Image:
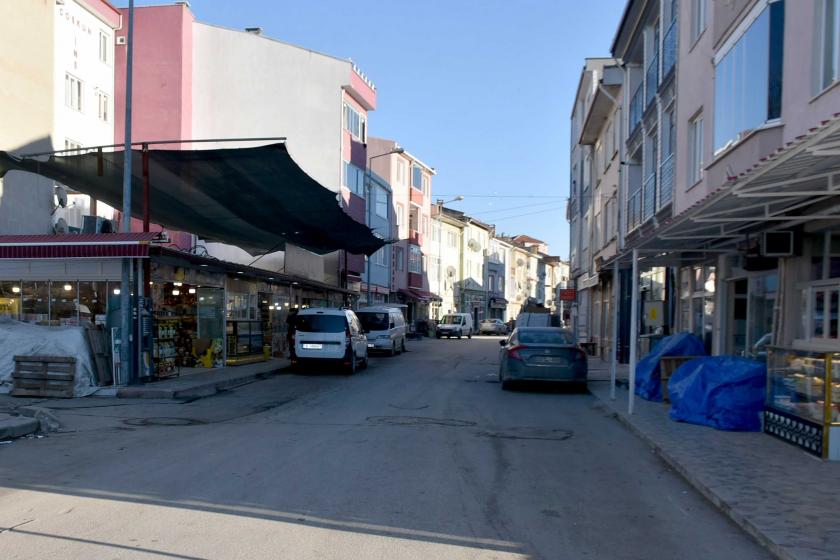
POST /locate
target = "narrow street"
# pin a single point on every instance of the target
(420, 456)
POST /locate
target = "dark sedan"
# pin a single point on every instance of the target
(542, 354)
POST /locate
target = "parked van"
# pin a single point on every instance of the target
(384, 327)
(330, 334)
(455, 324)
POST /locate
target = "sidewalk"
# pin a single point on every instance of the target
(780, 495)
(198, 383)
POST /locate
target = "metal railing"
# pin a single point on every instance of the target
(634, 207)
(636, 109)
(666, 181)
(651, 80)
(669, 49)
(649, 197)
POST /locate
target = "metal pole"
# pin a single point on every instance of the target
(367, 261)
(614, 364)
(146, 189)
(634, 329)
(125, 286)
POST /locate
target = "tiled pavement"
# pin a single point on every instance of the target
(785, 498)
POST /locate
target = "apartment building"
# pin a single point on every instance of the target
(498, 261)
(596, 137)
(57, 94)
(445, 281)
(411, 181)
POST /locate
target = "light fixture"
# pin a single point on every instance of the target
(191, 290)
(201, 298)
(265, 301)
(177, 284)
(67, 287)
(271, 277)
(150, 283)
(286, 304)
(271, 307)
(16, 289)
(295, 283)
(116, 291)
(176, 292)
(202, 264)
(239, 272)
(296, 306)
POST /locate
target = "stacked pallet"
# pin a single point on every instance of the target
(44, 376)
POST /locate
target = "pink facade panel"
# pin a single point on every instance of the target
(362, 91)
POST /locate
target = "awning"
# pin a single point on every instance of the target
(77, 246)
(420, 295)
(498, 302)
(255, 198)
(797, 184)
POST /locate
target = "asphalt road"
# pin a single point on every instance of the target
(421, 456)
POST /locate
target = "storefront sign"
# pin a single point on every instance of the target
(568, 294)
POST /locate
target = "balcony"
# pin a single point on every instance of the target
(634, 207)
(649, 197)
(636, 109)
(651, 80)
(669, 49)
(415, 237)
(666, 181)
(417, 196)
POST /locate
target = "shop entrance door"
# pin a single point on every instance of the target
(737, 343)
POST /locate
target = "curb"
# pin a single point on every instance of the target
(721, 504)
(17, 426)
(197, 391)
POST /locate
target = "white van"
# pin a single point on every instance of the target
(455, 324)
(384, 327)
(330, 334)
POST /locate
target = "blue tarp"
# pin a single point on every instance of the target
(724, 392)
(648, 384)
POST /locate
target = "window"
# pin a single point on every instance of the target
(400, 258)
(436, 231)
(381, 203)
(415, 259)
(695, 149)
(425, 184)
(401, 171)
(103, 47)
(828, 44)
(399, 217)
(451, 239)
(354, 123)
(378, 257)
(748, 79)
(425, 225)
(416, 177)
(354, 178)
(698, 18)
(72, 92)
(102, 103)
(71, 145)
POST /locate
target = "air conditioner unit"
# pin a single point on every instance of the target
(121, 40)
(91, 224)
(777, 244)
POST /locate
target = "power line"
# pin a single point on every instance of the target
(504, 196)
(527, 214)
(514, 208)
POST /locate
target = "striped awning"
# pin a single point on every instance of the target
(77, 246)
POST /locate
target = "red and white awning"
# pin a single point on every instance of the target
(76, 246)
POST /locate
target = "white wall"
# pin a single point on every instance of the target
(246, 85)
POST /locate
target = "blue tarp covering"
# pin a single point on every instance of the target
(648, 384)
(724, 392)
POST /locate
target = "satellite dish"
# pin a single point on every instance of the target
(61, 226)
(61, 196)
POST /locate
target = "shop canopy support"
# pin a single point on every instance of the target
(616, 297)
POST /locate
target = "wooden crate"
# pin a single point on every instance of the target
(44, 376)
(667, 366)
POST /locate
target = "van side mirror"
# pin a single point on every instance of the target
(502, 342)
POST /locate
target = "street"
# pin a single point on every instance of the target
(420, 456)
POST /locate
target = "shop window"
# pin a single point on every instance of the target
(10, 300)
(35, 302)
(64, 305)
(93, 302)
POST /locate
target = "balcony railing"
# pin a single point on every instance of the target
(669, 48)
(636, 109)
(634, 208)
(666, 181)
(649, 197)
(651, 80)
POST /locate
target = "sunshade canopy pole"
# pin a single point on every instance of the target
(613, 363)
(125, 287)
(634, 329)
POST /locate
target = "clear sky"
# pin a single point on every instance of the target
(481, 90)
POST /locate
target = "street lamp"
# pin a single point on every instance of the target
(395, 150)
(440, 204)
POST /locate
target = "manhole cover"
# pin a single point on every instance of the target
(548, 434)
(419, 421)
(162, 421)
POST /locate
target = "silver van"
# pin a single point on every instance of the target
(329, 334)
(455, 324)
(384, 327)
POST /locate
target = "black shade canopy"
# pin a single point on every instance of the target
(255, 198)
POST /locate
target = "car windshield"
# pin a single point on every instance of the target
(320, 323)
(488, 321)
(545, 337)
(451, 320)
(373, 321)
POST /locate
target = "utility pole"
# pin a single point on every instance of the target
(126, 370)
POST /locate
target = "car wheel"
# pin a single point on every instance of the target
(351, 369)
(506, 386)
(459, 335)
(365, 362)
(469, 333)
(393, 351)
(402, 345)
(437, 336)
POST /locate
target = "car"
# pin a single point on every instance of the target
(455, 324)
(542, 354)
(384, 328)
(492, 326)
(329, 335)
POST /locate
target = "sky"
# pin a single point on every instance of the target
(481, 90)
